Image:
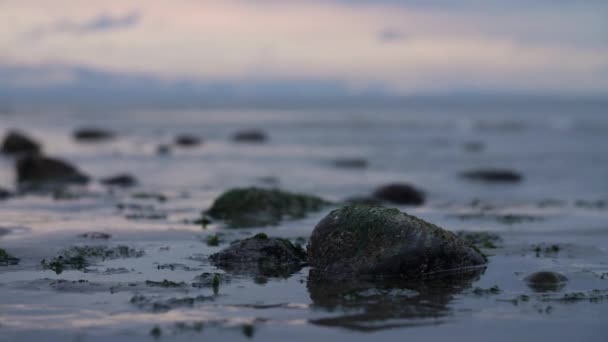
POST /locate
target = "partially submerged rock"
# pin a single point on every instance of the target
(185, 140)
(7, 259)
(4, 194)
(494, 176)
(376, 241)
(398, 193)
(350, 163)
(93, 135)
(17, 143)
(38, 170)
(250, 136)
(253, 207)
(261, 255)
(546, 281)
(124, 180)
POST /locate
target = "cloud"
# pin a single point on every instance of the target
(407, 46)
(101, 22)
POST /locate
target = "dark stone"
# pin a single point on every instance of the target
(5, 194)
(17, 143)
(261, 255)
(376, 241)
(494, 176)
(251, 136)
(546, 281)
(122, 180)
(93, 135)
(350, 163)
(400, 194)
(163, 150)
(187, 141)
(39, 170)
(254, 207)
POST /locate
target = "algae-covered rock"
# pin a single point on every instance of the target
(400, 194)
(39, 170)
(546, 281)
(17, 143)
(376, 241)
(253, 207)
(261, 255)
(494, 176)
(7, 259)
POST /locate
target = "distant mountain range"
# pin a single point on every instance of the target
(60, 85)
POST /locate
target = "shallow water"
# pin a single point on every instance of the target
(559, 149)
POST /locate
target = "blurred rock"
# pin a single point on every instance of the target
(37, 170)
(93, 135)
(17, 143)
(399, 193)
(187, 140)
(121, 180)
(254, 207)
(251, 136)
(494, 176)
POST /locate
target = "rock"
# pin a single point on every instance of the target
(261, 255)
(93, 135)
(38, 170)
(17, 143)
(187, 140)
(494, 176)
(122, 180)
(546, 281)
(163, 150)
(4, 194)
(350, 163)
(254, 207)
(363, 240)
(251, 136)
(7, 259)
(400, 194)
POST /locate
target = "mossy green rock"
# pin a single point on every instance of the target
(261, 255)
(254, 207)
(7, 259)
(377, 241)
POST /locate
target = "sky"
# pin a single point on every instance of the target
(310, 46)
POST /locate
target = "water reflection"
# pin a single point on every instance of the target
(372, 305)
